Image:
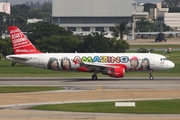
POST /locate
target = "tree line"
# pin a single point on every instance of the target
(51, 38)
(46, 6)
(21, 12)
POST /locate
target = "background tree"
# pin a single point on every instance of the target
(96, 42)
(145, 25)
(44, 29)
(165, 27)
(5, 47)
(3, 24)
(174, 9)
(57, 44)
(28, 12)
(121, 46)
(47, 7)
(171, 3)
(120, 30)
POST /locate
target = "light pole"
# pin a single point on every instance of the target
(133, 26)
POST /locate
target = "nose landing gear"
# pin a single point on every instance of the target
(150, 75)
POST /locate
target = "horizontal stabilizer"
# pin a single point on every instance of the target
(15, 58)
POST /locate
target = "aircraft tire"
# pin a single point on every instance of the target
(151, 78)
(94, 77)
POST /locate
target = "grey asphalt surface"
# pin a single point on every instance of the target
(77, 89)
(103, 82)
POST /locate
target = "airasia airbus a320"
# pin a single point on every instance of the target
(111, 64)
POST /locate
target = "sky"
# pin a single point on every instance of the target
(23, 1)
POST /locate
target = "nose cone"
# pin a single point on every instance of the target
(170, 65)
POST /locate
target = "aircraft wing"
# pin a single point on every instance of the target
(96, 65)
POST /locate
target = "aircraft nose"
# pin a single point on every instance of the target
(171, 65)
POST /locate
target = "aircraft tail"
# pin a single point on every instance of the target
(20, 42)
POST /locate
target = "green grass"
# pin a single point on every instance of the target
(142, 107)
(156, 46)
(6, 70)
(9, 89)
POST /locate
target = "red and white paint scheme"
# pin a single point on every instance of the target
(111, 64)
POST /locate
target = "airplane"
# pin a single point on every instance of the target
(111, 64)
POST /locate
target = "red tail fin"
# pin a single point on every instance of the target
(20, 42)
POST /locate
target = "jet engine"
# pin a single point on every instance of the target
(116, 72)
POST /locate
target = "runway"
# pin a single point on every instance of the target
(86, 83)
(86, 90)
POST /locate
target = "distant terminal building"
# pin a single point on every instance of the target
(5, 7)
(172, 20)
(86, 16)
(162, 14)
(34, 20)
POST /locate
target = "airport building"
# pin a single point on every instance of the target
(5, 7)
(162, 14)
(86, 16)
(34, 20)
(172, 20)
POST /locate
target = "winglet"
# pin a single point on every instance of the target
(20, 42)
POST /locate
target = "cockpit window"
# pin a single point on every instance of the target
(163, 59)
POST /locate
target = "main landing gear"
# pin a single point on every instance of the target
(94, 76)
(150, 75)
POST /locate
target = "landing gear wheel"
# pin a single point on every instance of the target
(94, 77)
(151, 77)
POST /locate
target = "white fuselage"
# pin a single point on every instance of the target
(70, 61)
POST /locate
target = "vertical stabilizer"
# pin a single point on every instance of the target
(20, 42)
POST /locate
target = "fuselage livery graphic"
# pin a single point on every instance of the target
(111, 64)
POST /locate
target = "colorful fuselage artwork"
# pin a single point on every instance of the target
(66, 63)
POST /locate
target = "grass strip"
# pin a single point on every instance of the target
(142, 107)
(18, 89)
(149, 46)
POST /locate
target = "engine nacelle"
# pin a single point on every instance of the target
(116, 72)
